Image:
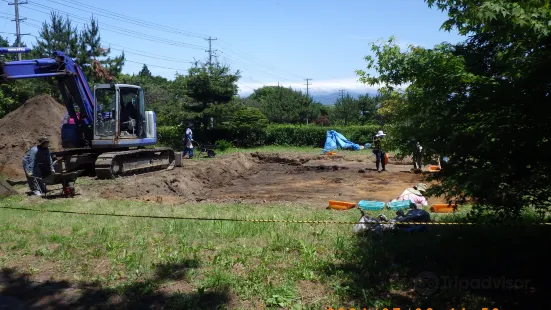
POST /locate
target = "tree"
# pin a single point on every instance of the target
(94, 59)
(346, 109)
(145, 72)
(479, 102)
(207, 85)
(57, 35)
(368, 106)
(285, 105)
(248, 124)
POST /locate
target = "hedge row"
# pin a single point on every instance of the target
(287, 135)
(292, 135)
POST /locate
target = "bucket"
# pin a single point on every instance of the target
(341, 205)
(371, 205)
(397, 205)
(443, 208)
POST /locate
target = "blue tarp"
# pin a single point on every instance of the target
(335, 140)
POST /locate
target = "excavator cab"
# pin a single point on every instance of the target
(119, 111)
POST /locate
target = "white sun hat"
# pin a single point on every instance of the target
(380, 134)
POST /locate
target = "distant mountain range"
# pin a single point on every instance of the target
(329, 98)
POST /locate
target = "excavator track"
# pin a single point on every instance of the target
(114, 164)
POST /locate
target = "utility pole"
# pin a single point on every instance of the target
(18, 34)
(210, 51)
(307, 84)
(307, 95)
(342, 93)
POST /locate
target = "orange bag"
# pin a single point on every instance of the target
(386, 159)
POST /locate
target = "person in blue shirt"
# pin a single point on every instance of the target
(37, 165)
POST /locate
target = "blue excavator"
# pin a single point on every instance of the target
(107, 130)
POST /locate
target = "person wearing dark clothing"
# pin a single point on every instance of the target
(418, 157)
(188, 139)
(37, 165)
(378, 150)
(128, 113)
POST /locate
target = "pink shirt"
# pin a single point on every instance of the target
(407, 195)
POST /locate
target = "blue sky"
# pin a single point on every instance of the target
(269, 41)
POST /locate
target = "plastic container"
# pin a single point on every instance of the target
(341, 205)
(371, 205)
(443, 208)
(397, 205)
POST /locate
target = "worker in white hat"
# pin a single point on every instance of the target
(378, 150)
(416, 195)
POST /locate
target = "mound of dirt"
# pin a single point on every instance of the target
(19, 131)
(188, 184)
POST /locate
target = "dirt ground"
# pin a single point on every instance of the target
(261, 178)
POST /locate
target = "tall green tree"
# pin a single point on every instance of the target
(285, 105)
(368, 106)
(207, 85)
(58, 34)
(95, 61)
(145, 72)
(479, 102)
(346, 110)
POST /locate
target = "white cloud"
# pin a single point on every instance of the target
(317, 86)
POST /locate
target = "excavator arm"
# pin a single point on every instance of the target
(73, 86)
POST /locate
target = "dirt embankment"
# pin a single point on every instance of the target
(19, 131)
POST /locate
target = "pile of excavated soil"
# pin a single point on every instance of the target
(193, 182)
(19, 131)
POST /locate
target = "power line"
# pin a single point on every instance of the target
(116, 29)
(128, 19)
(136, 52)
(124, 18)
(123, 31)
(239, 55)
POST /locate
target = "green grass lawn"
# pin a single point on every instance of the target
(134, 262)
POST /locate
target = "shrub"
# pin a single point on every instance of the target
(297, 135)
(248, 135)
(223, 145)
(323, 121)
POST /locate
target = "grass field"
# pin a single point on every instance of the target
(205, 264)
(69, 261)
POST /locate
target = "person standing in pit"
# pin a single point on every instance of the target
(188, 139)
(418, 157)
(378, 150)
